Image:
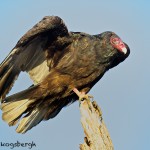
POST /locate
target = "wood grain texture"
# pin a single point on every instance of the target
(97, 135)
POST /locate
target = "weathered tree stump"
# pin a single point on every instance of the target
(97, 136)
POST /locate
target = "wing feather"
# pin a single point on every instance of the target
(30, 53)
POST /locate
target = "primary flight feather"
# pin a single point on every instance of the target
(60, 63)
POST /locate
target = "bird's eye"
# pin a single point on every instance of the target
(115, 41)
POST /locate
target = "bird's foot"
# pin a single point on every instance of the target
(82, 95)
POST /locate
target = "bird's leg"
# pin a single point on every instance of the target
(82, 95)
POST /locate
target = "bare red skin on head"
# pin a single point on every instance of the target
(117, 43)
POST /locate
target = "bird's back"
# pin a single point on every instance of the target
(80, 58)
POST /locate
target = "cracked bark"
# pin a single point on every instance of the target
(96, 134)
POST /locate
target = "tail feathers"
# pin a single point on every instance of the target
(8, 75)
(17, 105)
(29, 112)
(37, 114)
(25, 94)
(33, 118)
(54, 109)
(12, 111)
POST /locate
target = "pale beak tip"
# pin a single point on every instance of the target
(124, 50)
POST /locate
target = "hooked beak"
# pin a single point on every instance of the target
(124, 50)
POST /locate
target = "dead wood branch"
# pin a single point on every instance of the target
(97, 136)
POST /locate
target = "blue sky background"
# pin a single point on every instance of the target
(123, 92)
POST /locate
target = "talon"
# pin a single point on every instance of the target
(82, 95)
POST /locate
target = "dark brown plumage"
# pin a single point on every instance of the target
(58, 62)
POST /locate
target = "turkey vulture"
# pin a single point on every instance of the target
(61, 64)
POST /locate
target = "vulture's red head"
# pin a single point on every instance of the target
(118, 44)
(114, 49)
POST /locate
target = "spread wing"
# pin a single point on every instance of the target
(34, 53)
